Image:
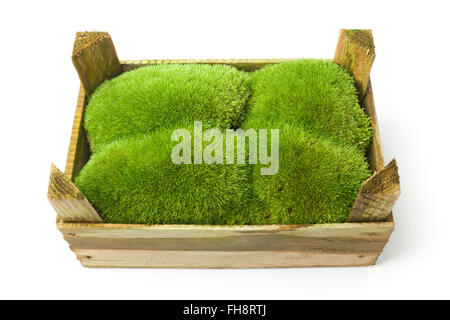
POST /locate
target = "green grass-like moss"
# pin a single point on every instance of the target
(317, 181)
(130, 178)
(316, 94)
(148, 98)
(133, 180)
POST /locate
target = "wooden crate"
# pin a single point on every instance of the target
(357, 242)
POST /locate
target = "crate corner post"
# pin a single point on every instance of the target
(68, 201)
(95, 59)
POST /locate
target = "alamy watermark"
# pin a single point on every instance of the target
(234, 145)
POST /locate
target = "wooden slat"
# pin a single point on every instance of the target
(68, 201)
(377, 195)
(95, 59)
(375, 154)
(79, 150)
(93, 258)
(125, 231)
(241, 64)
(355, 51)
(112, 245)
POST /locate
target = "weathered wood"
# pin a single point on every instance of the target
(68, 201)
(79, 150)
(355, 51)
(95, 59)
(240, 64)
(377, 195)
(92, 258)
(375, 154)
(190, 246)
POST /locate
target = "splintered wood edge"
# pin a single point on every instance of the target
(377, 195)
(355, 51)
(68, 201)
(95, 59)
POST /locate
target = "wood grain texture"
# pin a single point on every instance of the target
(377, 195)
(95, 59)
(79, 151)
(375, 154)
(92, 258)
(68, 201)
(191, 246)
(240, 64)
(355, 51)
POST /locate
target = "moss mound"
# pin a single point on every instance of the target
(148, 98)
(317, 181)
(133, 180)
(316, 94)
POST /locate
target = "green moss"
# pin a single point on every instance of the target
(143, 100)
(317, 181)
(133, 180)
(318, 95)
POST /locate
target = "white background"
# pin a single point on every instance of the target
(39, 85)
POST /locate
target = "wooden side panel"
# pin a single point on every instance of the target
(92, 258)
(379, 193)
(375, 154)
(185, 246)
(241, 64)
(68, 201)
(79, 150)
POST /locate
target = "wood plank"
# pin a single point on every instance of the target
(94, 258)
(377, 195)
(68, 201)
(259, 242)
(79, 151)
(355, 51)
(241, 64)
(95, 59)
(375, 154)
(137, 231)
(112, 245)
